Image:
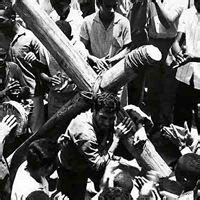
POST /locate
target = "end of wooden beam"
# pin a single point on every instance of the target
(153, 53)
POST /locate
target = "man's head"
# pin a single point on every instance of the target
(114, 193)
(105, 108)
(107, 8)
(197, 5)
(7, 24)
(62, 7)
(124, 180)
(38, 194)
(7, 19)
(41, 157)
(187, 170)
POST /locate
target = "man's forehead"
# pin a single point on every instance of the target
(106, 112)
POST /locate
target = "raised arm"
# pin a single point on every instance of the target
(165, 15)
(6, 125)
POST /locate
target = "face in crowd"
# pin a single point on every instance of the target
(7, 21)
(7, 24)
(105, 109)
(62, 7)
(105, 120)
(107, 8)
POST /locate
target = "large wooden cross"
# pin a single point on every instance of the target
(84, 76)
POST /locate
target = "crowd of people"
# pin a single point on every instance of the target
(140, 142)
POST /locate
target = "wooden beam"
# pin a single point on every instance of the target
(82, 74)
(129, 67)
(56, 42)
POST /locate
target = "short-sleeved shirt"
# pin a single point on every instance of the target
(84, 150)
(104, 41)
(190, 25)
(25, 42)
(24, 184)
(74, 18)
(174, 8)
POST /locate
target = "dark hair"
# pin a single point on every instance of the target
(8, 12)
(100, 2)
(111, 193)
(42, 152)
(65, 27)
(54, 2)
(109, 101)
(37, 195)
(188, 168)
(123, 180)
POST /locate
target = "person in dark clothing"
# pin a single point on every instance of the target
(89, 144)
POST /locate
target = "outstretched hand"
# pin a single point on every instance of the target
(63, 141)
(100, 63)
(12, 86)
(55, 80)
(6, 125)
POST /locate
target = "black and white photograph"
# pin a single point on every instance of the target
(99, 99)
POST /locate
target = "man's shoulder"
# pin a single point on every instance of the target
(91, 18)
(12, 66)
(188, 13)
(121, 19)
(23, 184)
(81, 121)
(25, 32)
(192, 10)
(81, 127)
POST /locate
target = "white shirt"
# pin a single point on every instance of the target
(104, 41)
(74, 18)
(24, 184)
(174, 8)
(190, 25)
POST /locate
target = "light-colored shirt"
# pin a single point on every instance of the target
(190, 25)
(104, 41)
(24, 42)
(123, 5)
(74, 18)
(24, 184)
(174, 8)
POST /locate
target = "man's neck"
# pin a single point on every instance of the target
(105, 20)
